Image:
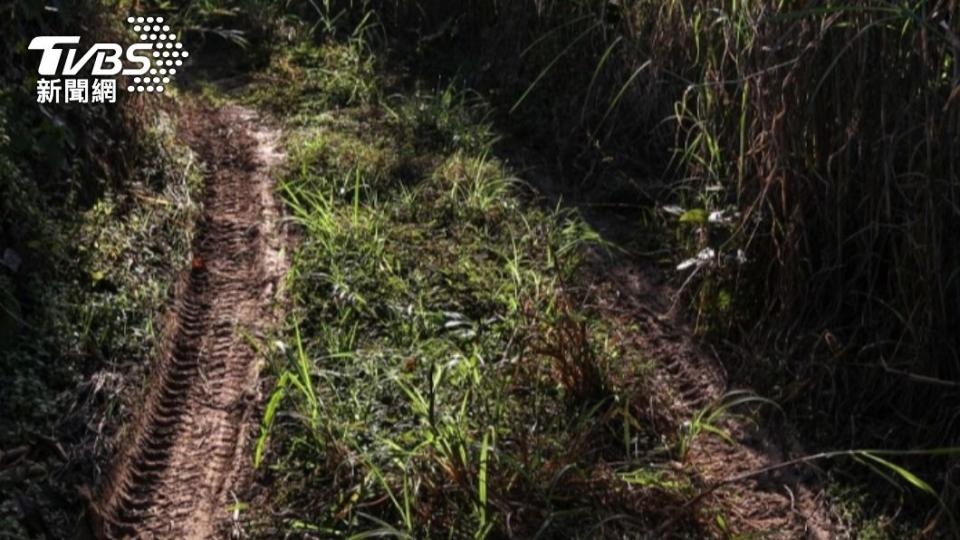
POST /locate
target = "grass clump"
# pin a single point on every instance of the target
(435, 378)
(312, 79)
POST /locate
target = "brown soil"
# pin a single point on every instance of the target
(185, 457)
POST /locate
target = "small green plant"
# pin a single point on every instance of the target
(708, 419)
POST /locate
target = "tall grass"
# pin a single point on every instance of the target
(831, 128)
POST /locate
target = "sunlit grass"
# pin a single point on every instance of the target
(434, 379)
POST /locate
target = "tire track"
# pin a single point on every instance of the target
(685, 379)
(184, 458)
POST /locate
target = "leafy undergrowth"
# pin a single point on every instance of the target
(435, 378)
(79, 312)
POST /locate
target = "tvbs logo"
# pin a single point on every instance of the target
(146, 66)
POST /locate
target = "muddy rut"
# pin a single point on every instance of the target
(183, 461)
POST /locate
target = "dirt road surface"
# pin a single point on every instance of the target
(185, 456)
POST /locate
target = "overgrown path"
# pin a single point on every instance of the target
(184, 455)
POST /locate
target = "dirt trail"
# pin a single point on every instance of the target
(786, 503)
(185, 454)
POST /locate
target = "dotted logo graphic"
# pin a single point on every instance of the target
(168, 54)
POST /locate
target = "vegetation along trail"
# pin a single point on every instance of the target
(184, 456)
(538, 269)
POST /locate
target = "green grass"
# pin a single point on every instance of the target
(435, 377)
(309, 80)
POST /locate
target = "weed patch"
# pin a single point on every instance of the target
(434, 378)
